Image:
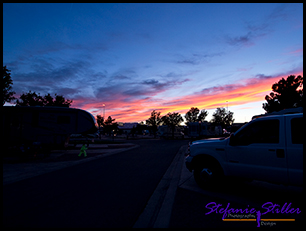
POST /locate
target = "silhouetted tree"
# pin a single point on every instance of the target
(287, 93)
(154, 121)
(100, 120)
(172, 120)
(110, 125)
(193, 115)
(30, 99)
(60, 101)
(223, 118)
(202, 115)
(109, 121)
(33, 99)
(7, 83)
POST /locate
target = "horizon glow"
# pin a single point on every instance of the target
(136, 58)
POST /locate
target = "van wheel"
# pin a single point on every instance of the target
(208, 175)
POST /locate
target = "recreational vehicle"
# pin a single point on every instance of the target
(204, 129)
(44, 125)
(165, 131)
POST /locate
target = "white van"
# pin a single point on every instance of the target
(268, 148)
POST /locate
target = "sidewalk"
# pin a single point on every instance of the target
(15, 170)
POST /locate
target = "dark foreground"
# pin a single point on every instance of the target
(107, 192)
(113, 191)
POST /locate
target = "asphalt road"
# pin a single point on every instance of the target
(109, 192)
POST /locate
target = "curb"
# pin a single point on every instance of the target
(157, 213)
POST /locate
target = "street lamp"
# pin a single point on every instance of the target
(103, 111)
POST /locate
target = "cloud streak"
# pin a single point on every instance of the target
(128, 97)
(135, 58)
(136, 109)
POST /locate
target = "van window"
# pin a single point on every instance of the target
(296, 126)
(265, 131)
(63, 119)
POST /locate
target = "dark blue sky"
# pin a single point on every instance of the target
(135, 58)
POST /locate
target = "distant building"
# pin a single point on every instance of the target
(164, 131)
(126, 128)
(203, 129)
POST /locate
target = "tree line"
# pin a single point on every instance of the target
(173, 119)
(286, 93)
(30, 98)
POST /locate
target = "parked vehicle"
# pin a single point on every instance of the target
(268, 148)
(204, 129)
(165, 132)
(45, 125)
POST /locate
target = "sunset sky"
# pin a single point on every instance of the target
(136, 58)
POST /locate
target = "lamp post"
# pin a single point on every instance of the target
(104, 112)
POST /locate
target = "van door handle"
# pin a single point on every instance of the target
(280, 153)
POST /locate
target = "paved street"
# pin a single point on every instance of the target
(106, 192)
(17, 168)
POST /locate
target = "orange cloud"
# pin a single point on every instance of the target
(243, 92)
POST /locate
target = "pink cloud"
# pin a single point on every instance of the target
(136, 110)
